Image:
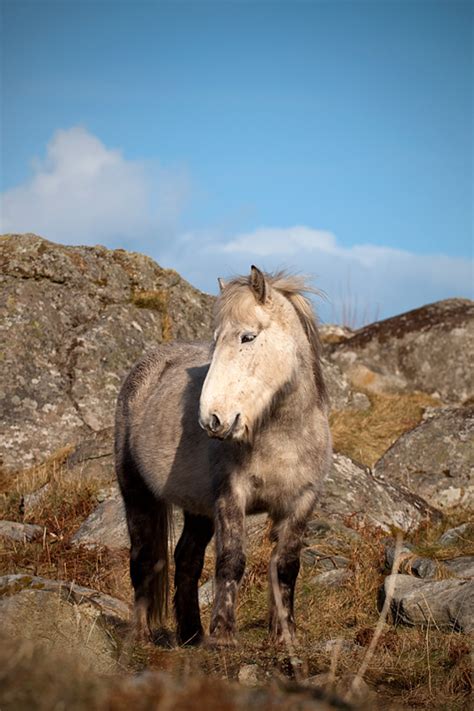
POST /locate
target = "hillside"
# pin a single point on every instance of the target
(72, 321)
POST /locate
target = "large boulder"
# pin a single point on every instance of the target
(62, 616)
(428, 349)
(351, 490)
(441, 604)
(435, 459)
(72, 322)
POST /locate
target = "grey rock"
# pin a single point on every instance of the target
(455, 535)
(333, 333)
(248, 674)
(330, 646)
(428, 349)
(62, 615)
(324, 561)
(332, 578)
(35, 498)
(106, 526)
(350, 489)
(93, 458)
(110, 608)
(72, 321)
(20, 531)
(206, 593)
(446, 604)
(333, 533)
(423, 567)
(435, 459)
(341, 394)
(462, 567)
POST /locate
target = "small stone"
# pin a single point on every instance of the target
(359, 401)
(248, 675)
(330, 646)
(332, 578)
(324, 561)
(24, 532)
(206, 593)
(456, 535)
(105, 526)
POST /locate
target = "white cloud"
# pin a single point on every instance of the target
(85, 192)
(271, 241)
(368, 281)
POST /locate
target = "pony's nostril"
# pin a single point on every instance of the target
(215, 423)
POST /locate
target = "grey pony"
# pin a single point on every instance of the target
(222, 433)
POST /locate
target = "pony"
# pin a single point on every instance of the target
(223, 433)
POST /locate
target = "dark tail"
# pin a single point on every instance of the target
(158, 590)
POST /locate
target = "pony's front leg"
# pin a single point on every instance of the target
(284, 569)
(230, 566)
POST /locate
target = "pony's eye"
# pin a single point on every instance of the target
(247, 337)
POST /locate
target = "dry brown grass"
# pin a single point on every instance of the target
(413, 667)
(66, 503)
(365, 435)
(158, 300)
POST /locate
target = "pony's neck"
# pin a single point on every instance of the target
(299, 398)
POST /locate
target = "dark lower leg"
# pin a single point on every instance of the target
(189, 559)
(230, 566)
(143, 570)
(284, 570)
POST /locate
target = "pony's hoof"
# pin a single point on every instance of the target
(282, 638)
(220, 641)
(142, 635)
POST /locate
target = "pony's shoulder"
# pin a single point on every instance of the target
(163, 357)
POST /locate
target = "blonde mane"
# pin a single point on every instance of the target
(237, 297)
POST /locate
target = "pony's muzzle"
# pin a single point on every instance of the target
(215, 427)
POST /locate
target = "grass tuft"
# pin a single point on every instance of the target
(365, 435)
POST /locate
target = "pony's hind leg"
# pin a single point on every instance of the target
(189, 559)
(148, 520)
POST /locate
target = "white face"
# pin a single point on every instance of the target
(252, 361)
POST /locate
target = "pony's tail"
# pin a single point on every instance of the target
(158, 597)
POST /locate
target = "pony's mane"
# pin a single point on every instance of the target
(237, 297)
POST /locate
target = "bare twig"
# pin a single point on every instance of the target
(356, 682)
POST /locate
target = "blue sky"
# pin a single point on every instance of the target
(334, 137)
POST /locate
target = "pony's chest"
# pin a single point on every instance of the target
(271, 479)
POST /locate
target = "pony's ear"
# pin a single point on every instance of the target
(258, 284)
(221, 283)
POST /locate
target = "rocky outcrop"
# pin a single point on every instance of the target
(341, 394)
(428, 349)
(72, 322)
(62, 616)
(352, 490)
(111, 609)
(435, 459)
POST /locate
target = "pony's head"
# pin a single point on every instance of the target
(265, 339)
